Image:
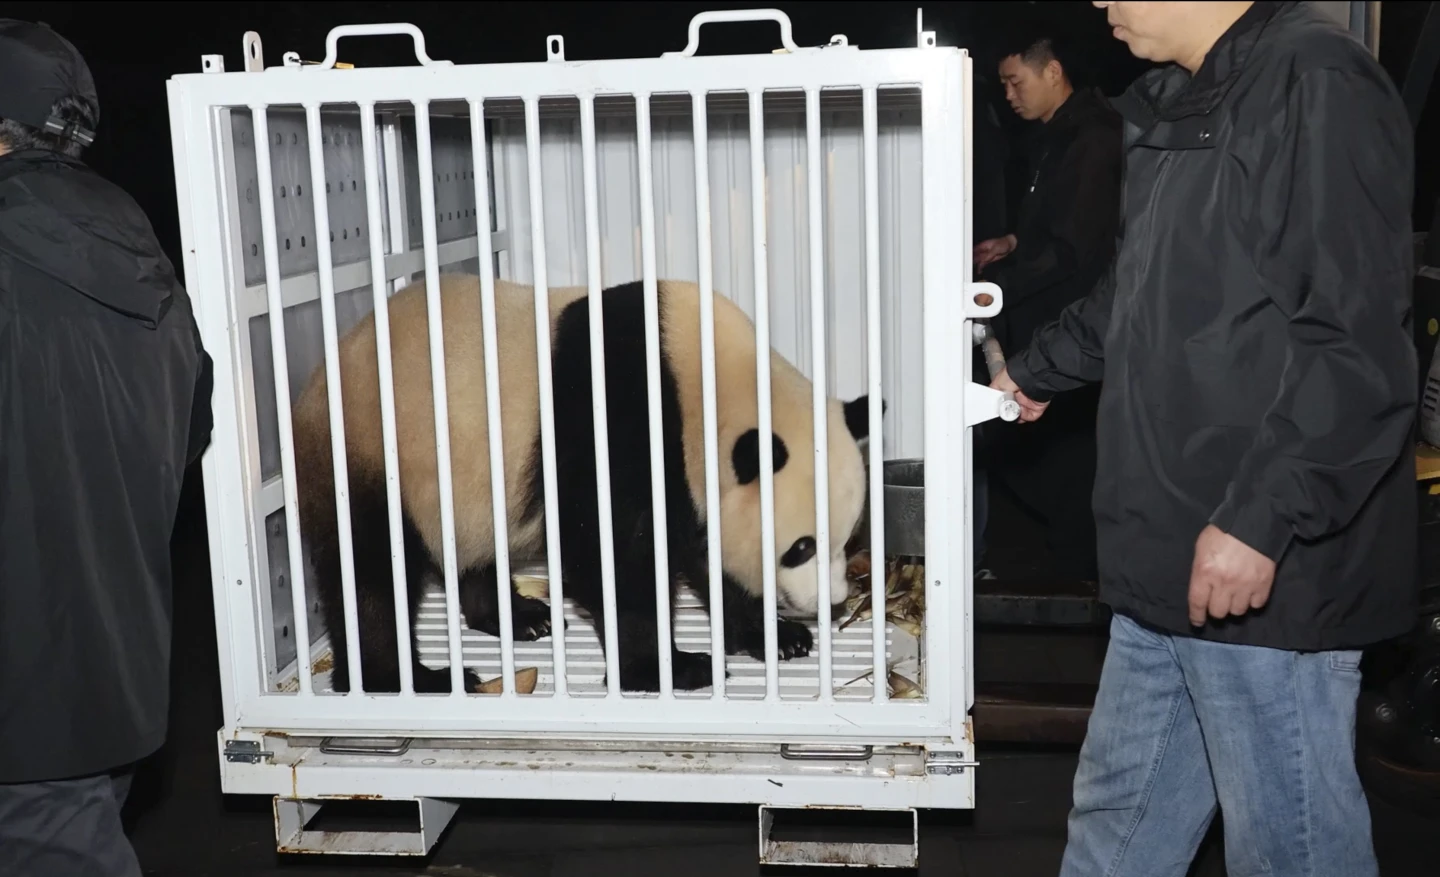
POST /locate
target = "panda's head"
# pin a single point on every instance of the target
(796, 549)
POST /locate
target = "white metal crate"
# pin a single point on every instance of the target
(888, 231)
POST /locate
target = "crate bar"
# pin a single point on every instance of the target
(707, 389)
(231, 271)
(270, 239)
(762, 383)
(957, 76)
(945, 257)
(379, 286)
(819, 371)
(871, 128)
(490, 333)
(827, 69)
(395, 196)
(664, 638)
(330, 338)
(597, 385)
(210, 252)
(440, 392)
(547, 393)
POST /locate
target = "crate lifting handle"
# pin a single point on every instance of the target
(373, 30)
(733, 15)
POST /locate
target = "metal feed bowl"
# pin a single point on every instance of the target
(904, 483)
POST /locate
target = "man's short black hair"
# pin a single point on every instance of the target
(1035, 49)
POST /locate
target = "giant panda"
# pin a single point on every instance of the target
(629, 448)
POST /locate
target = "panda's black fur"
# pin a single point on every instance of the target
(635, 592)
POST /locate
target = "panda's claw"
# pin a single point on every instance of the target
(792, 640)
(530, 618)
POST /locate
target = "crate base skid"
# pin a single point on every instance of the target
(292, 834)
(836, 847)
(877, 777)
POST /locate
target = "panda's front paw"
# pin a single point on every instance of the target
(691, 671)
(793, 640)
(530, 617)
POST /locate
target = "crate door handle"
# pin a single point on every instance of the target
(372, 30)
(733, 15)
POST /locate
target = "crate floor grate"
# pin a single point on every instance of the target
(799, 678)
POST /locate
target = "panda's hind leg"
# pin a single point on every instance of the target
(375, 598)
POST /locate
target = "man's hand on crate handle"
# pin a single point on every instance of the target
(1030, 410)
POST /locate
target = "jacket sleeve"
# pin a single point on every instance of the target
(1334, 224)
(1080, 212)
(1069, 352)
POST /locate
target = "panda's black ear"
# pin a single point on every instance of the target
(857, 416)
(745, 456)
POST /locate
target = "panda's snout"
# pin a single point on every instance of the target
(798, 591)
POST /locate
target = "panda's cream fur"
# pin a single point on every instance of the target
(627, 404)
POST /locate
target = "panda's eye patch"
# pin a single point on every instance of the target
(800, 553)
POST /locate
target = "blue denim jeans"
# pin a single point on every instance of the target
(1181, 726)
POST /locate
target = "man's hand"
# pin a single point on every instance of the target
(1227, 577)
(994, 250)
(1030, 410)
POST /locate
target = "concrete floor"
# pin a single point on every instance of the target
(183, 827)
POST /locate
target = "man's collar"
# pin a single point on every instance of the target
(1172, 93)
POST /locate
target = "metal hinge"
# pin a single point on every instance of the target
(247, 751)
(946, 763)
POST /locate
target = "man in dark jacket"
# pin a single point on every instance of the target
(1254, 500)
(1063, 240)
(104, 401)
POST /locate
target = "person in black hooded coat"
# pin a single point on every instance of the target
(104, 403)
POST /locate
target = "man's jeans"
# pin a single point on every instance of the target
(66, 827)
(1179, 723)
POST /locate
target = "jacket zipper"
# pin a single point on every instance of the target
(1035, 178)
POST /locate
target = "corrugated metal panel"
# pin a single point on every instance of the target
(787, 218)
